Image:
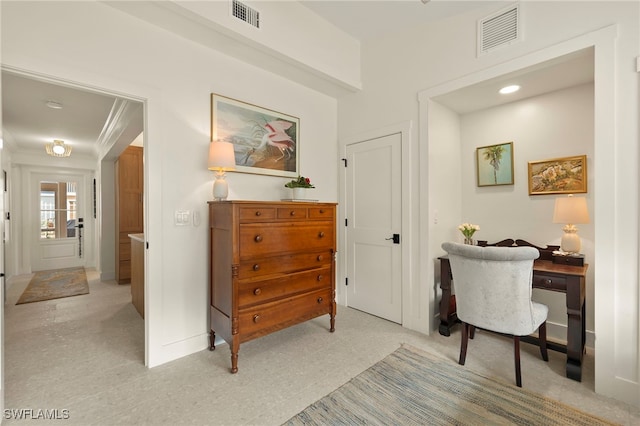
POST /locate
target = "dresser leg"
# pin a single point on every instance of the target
(333, 323)
(234, 362)
(235, 347)
(212, 341)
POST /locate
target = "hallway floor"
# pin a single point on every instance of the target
(85, 355)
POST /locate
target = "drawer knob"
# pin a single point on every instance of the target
(320, 258)
(292, 213)
(257, 291)
(320, 299)
(258, 213)
(256, 318)
(548, 281)
(256, 267)
(319, 278)
(258, 238)
(321, 234)
(321, 211)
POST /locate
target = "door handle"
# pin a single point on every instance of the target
(395, 238)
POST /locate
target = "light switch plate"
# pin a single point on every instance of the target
(182, 218)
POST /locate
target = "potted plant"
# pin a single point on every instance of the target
(299, 187)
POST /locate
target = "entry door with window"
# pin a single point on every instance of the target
(373, 212)
(58, 224)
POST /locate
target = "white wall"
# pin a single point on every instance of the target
(99, 46)
(441, 55)
(557, 124)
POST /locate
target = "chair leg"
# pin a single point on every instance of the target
(463, 343)
(516, 352)
(542, 337)
(472, 333)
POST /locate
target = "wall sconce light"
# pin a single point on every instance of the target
(570, 210)
(221, 159)
(58, 148)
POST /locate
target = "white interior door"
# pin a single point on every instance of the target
(373, 213)
(57, 220)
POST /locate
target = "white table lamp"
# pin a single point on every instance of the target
(570, 210)
(221, 159)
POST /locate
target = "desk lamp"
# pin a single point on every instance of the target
(221, 160)
(570, 210)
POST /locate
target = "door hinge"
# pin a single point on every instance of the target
(346, 281)
(345, 162)
(346, 222)
(147, 244)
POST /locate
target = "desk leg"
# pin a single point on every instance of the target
(575, 328)
(447, 317)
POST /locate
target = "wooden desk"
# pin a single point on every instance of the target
(547, 276)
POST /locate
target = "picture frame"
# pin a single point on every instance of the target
(265, 142)
(565, 175)
(494, 164)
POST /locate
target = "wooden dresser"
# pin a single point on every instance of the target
(272, 265)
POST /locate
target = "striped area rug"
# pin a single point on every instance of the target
(413, 387)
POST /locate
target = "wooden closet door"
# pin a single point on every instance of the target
(129, 218)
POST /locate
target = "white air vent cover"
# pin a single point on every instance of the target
(498, 30)
(245, 13)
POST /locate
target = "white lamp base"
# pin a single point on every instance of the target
(570, 242)
(220, 187)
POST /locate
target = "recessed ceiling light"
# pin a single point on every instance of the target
(53, 104)
(509, 89)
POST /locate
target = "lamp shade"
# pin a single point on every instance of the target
(221, 156)
(571, 210)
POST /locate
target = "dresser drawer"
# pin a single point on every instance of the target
(321, 213)
(292, 212)
(549, 282)
(257, 213)
(273, 238)
(259, 267)
(262, 319)
(253, 292)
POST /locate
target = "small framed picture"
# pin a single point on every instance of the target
(494, 164)
(566, 175)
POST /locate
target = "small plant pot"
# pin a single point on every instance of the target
(299, 193)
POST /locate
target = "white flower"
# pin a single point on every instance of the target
(468, 229)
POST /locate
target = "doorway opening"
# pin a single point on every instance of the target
(65, 204)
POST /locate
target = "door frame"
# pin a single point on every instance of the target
(150, 97)
(410, 314)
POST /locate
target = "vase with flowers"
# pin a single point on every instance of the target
(468, 229)
(299, 187)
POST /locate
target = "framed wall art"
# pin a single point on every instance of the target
(265, 142)
(494, 164)
(567, 175)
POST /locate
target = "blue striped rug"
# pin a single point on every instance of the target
(413, 387)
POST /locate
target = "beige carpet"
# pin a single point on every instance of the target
(55, 284)
(413, 387)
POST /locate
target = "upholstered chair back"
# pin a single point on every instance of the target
(493, 287)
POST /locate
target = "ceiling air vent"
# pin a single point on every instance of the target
(498, 30)
(245, 13)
